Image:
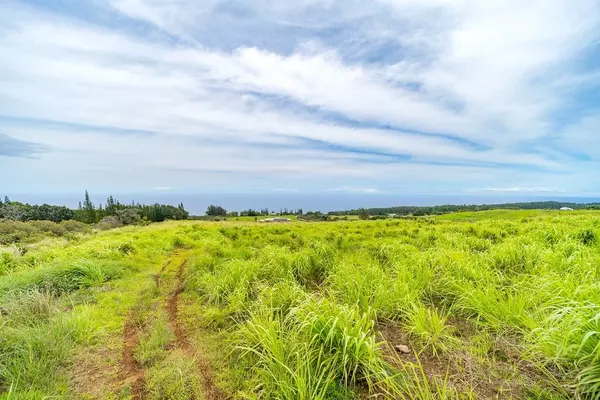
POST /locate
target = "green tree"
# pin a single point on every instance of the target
(89, 211)
(111, 206)
(214, 211)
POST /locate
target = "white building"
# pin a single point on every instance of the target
(275, 220)
(566, 209)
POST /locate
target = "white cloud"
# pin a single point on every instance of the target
(489, 72)
(354, 189)
(142, 97)
(521, 190)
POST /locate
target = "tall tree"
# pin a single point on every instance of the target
(89, 211)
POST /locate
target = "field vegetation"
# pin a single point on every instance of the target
(487, 305)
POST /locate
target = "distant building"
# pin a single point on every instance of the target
(392, 215)
(269, 220)
(566, 209)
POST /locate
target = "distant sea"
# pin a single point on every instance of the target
(324, 202)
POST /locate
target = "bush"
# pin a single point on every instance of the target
(128, 216)
(587, 237)
(75, 226)
(127, 248)
(110, 222)
(30, 231)
(17, 231)
(8, 262)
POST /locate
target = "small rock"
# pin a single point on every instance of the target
(402, 348)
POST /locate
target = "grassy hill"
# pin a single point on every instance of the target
(485, 305)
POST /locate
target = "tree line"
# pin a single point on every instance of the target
(90, 213)
(449, 208)
(218, 211)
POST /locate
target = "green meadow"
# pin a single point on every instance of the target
(479, 305)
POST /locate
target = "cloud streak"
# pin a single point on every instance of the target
(11, 147)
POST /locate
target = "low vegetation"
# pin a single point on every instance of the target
(490, 306)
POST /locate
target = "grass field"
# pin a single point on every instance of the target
(489, 305)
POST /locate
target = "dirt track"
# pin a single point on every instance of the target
(209, 389)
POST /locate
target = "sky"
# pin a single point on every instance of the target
(333, 98)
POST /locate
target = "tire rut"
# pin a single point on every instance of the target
(209, 388)
(133, 373)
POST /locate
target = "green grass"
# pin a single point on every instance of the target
(494, 304)
(152, 345)
(430, 329)
(174, 378)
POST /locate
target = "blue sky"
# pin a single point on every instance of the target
(385, 97)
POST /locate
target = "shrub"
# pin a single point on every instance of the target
(127, 248)
(587, 237)
(128, 216)
(49, 227)
(8, 262)
(75, 226)
(30, 231)
(17, 231)
(110, 222)
(179, 242)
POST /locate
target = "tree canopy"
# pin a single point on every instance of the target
(89, 213)
(215, 211)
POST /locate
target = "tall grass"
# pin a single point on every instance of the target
(430, 329)
(36, 341)
(64, 278)
(318, 350)
(302, 306)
